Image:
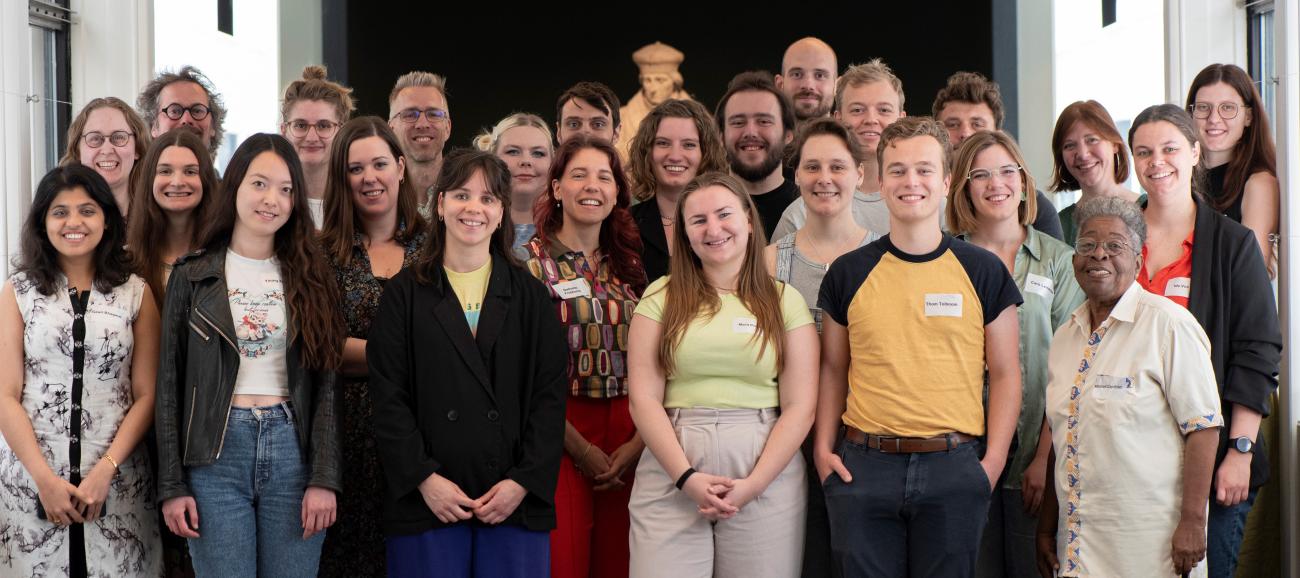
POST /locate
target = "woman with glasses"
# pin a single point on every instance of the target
(311, 112)
(110, 137)
(990, 209)
(1088, 155)
(1211, 265)
(1133, 416)
(1240, 160)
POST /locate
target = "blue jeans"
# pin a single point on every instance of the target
(468, 550)
(250, 501)
(1227, 526)
(917, 515)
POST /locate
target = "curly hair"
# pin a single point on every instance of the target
(640, 165)
(150, 107)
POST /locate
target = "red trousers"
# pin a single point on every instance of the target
(590, 539)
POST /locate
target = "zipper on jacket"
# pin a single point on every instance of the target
(214, 326)
(231, 403)
(194, 400)
(200, 331)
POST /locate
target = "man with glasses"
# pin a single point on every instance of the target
(183, 98)
(418, 114)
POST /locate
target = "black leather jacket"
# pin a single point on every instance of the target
(196, 382)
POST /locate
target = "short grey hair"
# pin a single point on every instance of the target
(1117, 207)
(417, 78)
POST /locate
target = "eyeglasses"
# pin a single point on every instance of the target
(1004, 173)
(118, 138)
(175, 111)
(1227, 110)
(1086, 247)
(412, 115)
(324, 128)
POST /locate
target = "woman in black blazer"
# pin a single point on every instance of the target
(1221, 279)
(468, 365)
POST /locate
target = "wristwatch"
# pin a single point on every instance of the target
(1242, 444)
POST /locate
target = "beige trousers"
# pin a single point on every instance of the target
(669, 538)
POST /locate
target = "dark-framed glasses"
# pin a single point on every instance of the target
(175, 111)
(1227, 110)
(1005, 173)
(1086, 247)
(96, 139)
(412, 115)
(324, 128)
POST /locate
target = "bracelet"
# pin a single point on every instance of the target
(585, 452)
(111, 461)
(681, 481)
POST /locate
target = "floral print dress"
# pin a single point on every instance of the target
(77, 369)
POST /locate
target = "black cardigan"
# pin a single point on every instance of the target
(1232, 298)
(474, 409)
(654, 244)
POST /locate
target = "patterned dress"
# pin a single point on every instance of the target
(77, 357)
(354, 545)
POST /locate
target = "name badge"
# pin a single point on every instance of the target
(943, 304)
(574, 288)
(1040, 285)
(1179, 287)
(1112, 386)
(746, 325)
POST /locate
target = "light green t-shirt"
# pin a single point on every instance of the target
(470, 289)
(717, 362)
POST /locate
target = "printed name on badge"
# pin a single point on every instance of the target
(574, 288)
(943, 304)
(1040, 285)
(1112, 386)
(1179, 287)
(746, 325)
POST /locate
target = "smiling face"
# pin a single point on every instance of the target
(264, 199)
(111, 161)
(527, 153)
(422, 140)
(996, 197)
(74, 223)
(754, 135)
(827, 175)
(1088, 156)
(717, 226)
(186, 94)
(586, 189)
(470, 213)
(675, 156)
(374, 177)
(808, 78)
(1220, 134)
(963, 119)
(1164, 159)
(913, 182)
(867, 109)
(1104, 277)
(177, 187)
(313, 148)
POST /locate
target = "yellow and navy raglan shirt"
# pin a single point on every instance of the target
(916, 334)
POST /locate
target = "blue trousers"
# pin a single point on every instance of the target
(1226, 528)
(471, 551)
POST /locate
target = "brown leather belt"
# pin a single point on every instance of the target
(897, 445)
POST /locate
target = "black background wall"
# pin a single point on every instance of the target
(504, 58)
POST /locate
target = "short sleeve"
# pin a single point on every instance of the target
(1190, 387)
(652, 301)
(831, 297)
(794, 310)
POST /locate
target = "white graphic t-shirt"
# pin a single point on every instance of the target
(256, 292)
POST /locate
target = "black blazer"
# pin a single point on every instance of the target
(654, 245)
(476, 410)
(1233, 300)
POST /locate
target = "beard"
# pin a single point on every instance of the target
(803, 113)
(759, 172)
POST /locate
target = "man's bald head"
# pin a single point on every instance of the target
(808, 73)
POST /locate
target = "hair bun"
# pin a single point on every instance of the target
(314, 72)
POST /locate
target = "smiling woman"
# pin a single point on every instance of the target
(110, 137)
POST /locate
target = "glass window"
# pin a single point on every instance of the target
(1263, 66)
(51, 74)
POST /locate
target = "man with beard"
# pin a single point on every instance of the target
(418, 115)
(808, 73)
(757, 123)
(971, 103)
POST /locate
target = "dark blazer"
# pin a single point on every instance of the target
(474, 409)
(197, 367)
(654, 245)
(1232, 298)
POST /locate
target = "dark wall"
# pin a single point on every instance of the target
(501, 58)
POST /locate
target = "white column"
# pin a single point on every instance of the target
(15, 125)
(300, 38)
(1036, 73)
(112, 49)
(1286, 26)
(1199, 33)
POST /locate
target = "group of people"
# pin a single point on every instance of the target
(800, 334)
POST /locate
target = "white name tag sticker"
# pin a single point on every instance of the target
(1040, 285)
(943, 304)
(574, 288)
(1111, 386)
(1179, 287)
(746, 325)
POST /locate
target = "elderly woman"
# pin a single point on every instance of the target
(1133, 414)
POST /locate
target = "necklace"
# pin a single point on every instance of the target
(667, 222)
(816, 252)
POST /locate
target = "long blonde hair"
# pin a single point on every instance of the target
(689, 295)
